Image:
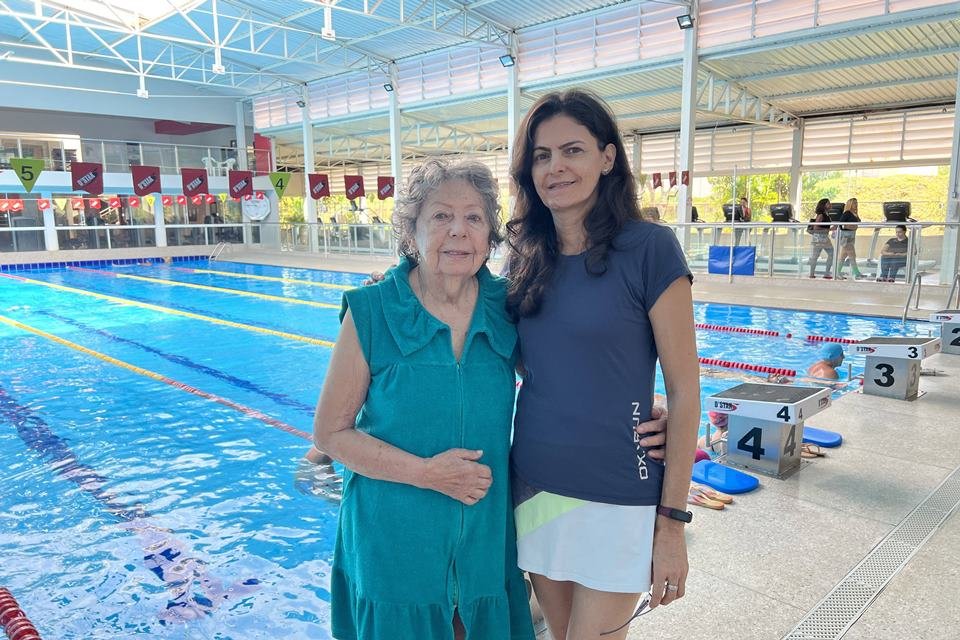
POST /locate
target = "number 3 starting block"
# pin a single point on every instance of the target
(893, 365)
(765, 424)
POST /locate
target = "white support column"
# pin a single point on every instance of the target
(796, 178)
(635, 161)
(688, 114)
(159, 224)
(50, 239)
(309, 166)
(950, 262)
(396, 147)
(241, 134)
(513, 115)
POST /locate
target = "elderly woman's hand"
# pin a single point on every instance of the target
(456, 473)
(375, 277)
(655, 431)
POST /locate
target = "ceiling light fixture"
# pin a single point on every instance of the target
(301, 103)
(508, 60)
(685, 21)
(388, 87)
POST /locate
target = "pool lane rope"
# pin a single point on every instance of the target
(759, 368)
(250, 276)
(249, 411)
(756, 332)
(174, 312)
(13, 620)
(204, 287)
(832, 339)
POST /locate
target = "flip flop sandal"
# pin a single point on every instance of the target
(712, 494)
(810, 450)
(700, 501)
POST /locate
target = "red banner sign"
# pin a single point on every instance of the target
(197, 199)
(76, 204)
(181, 199)
(167, 201)
(4, 206)
(87, 176)
(685, 178)
(384, 187)
(261, 195)
(354, 186)
(194, 181)
(16, 205)
(241, 183)
(146, 180)
(114, 202)
(43, 204)
(211, 198)
(94, 203)
(133, 201)
(657, 182)
(673, 178)
(319, 185)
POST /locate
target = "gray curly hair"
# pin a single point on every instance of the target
(424, 180)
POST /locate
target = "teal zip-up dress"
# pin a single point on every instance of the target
(406, 558)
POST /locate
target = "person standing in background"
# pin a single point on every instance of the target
(848, 238)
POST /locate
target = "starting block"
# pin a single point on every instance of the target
(949, 320)
(893, 365)
(765, 424)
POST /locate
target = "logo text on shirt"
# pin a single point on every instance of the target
(641, 452)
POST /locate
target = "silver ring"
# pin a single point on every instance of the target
(672, 587)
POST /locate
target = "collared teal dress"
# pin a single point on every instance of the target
(406, 558)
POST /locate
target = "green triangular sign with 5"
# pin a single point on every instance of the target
(279, 180)
(28, 170)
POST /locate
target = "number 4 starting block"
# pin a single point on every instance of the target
(765, 424)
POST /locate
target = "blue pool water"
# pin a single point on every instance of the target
(132, 507)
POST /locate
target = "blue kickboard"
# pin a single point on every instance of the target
(822, 437)
(723, 478)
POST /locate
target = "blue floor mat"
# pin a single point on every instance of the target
(723, 478)
(822, 437)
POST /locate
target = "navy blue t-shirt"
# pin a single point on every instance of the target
(590, 362)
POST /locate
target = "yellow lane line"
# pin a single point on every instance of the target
(176, 312)
(311, 283)
(236, 292)
(160, 378)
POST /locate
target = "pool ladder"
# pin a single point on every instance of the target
(217, 250)
(954, 288)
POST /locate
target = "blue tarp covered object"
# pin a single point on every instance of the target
(744, 259)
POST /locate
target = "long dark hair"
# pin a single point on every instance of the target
(531, 235)
(821, 209)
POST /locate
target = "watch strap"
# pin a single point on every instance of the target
(675, 514)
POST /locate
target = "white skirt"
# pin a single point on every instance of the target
(606, 547)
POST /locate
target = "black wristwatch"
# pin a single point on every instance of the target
(674, 514)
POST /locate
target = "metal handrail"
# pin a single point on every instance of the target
(218, 250)
(955, 287)
(916, 285)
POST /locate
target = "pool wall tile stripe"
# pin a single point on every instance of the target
(35, 266)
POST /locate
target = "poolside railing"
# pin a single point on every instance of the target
(781, 250)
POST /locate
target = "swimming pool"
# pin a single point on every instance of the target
(158, 486)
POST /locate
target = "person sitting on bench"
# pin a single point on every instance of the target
(893, 256)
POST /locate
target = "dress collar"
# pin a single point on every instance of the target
(420, 327)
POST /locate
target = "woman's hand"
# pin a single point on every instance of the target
(456, 473)
(669, 562)
(656, 427)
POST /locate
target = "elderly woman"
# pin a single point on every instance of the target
(417, 405)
